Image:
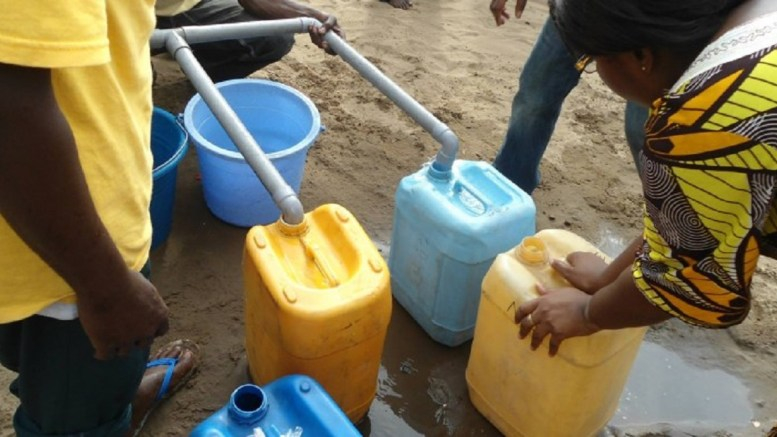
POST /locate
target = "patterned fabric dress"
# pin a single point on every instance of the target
(709, 175)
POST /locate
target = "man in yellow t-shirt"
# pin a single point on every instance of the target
(76, 315)
(235, 59)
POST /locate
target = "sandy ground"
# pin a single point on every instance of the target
(454, 61)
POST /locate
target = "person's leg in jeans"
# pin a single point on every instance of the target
(547, 78)
(230, 59)
(635, 118)
(63, 389)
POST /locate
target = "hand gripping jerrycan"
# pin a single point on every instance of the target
(292, 406)
(318, 303)
(448, 227)
(527, 393)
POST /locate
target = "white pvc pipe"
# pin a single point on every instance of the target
(439, 131)
(283, 195)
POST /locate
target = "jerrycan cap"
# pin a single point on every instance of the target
(532, 250)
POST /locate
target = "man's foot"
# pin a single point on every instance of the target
(400, 4)
(179, 359)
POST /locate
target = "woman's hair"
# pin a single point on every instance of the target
(605, 27)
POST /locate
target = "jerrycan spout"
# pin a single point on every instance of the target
(532, 251)
(436, 173)
(293, 229)
(248, 404)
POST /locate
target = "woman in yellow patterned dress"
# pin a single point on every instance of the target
(708, 70)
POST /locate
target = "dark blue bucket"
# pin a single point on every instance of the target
(168, 145)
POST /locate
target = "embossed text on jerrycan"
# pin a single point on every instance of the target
(292, 406)
(527, 393)
(317, 302)
(448, 227)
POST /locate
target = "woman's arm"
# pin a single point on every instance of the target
(589, 273)
(621, 305)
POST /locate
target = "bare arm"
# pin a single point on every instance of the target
(587, 272)
(278, 9)
(45, 199)
(621, 305)
(43, 193)
(623, 261)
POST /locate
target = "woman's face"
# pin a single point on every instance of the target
(628, 76)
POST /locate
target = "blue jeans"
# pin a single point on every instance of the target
(547, 78)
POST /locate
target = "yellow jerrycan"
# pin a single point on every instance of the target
(527, 393)
(318, 303)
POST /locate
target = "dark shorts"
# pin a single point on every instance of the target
(63, 389)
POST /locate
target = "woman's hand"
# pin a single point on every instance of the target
(584, 270)
(560, 313)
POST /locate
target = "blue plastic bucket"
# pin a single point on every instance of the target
(168, 145)
(283, 121)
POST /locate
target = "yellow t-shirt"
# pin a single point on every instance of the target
(168, 8)
(101, 73)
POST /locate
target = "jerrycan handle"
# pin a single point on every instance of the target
(496, 178)
(315, 253)
(460, 186)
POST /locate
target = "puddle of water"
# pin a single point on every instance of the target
(665, 392)
(664, 389)
(391, 423)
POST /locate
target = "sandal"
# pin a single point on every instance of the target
(167, 389)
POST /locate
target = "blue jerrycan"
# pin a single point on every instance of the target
(448, 228)
(292, 406)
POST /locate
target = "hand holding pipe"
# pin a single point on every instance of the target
(218, 32)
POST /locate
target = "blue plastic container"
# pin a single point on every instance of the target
(448, 228)
(294, 406)
(168, 145)
(282, 120)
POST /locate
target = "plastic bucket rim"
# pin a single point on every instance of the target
(306, 142)
(173, 161)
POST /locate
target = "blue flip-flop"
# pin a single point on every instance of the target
(166, 390)
(170, 362)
